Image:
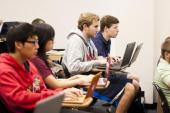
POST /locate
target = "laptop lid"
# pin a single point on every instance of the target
(91, 88)
(128, 54)
(103, 80)
(50, 104)
(93, 85)
(126, 58)
(107, 72)
(136, 53)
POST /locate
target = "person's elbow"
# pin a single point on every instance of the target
(168, 84)
(73, 69)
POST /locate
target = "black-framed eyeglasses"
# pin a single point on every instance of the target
(33, 42)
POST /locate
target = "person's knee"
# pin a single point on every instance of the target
(136, 84)
(133, 76)
(129, 89)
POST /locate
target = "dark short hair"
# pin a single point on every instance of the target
(19, 33)
(107, 21)
(45, 32)
(38, 21)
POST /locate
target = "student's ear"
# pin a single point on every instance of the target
(168, 55)
(85, 26)
(18, 45)
(106, 28)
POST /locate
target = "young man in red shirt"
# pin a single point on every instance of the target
(21, 85)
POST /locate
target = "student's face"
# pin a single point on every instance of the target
(92, 29)
(29, 48)
(49, 45)
(113, 31)
(167, 56)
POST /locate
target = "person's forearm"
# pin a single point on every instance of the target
(65, 83)
(73, 77)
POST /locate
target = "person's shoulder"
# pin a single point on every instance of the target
(38, 62)
(163, 67)
(75, 40)
(36, 59)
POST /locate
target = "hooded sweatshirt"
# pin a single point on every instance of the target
(80, 53)
(21, 86)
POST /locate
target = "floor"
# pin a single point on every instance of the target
(102, 109)
(150, 111)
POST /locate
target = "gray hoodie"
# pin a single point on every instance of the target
(80, 53)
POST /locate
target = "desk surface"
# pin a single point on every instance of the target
(53, 52)
(55, 55)
(2, 39)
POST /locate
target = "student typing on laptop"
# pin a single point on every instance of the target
(21, 86)
(81, 56)
(46, 35)
(108, 30)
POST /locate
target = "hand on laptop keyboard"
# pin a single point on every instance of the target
(85, 80)
(72, 93)
(115, 59)
(101, 61)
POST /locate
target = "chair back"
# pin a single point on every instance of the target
(66, 72)
(3, 109)
(164, 102)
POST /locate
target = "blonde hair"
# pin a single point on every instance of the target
(87, 18)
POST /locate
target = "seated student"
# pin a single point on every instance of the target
(21, 85)
(109, 29)
(81, 56)
(162, 77)
(168, 38)
(4, 28)
(56, 67)
(46, 34)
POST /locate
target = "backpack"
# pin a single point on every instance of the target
(137, 105)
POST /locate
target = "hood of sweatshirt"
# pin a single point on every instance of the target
(79, 35)
(7, 59)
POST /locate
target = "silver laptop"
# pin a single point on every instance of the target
(126, 58)
(50, 104)
(136, 53)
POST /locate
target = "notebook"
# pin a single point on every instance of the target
(89, 93)
(136, 53)
(50, 104)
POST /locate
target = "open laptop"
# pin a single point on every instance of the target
(50, 104)
(126, 58)
(125, 61)
(104, 80)
(136, 53)
(91, 88)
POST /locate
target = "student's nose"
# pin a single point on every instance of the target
(36, 45)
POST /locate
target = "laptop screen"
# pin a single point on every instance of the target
(136, 53)
(128, 53)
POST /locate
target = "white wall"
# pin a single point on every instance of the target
(136, 24)
(162, 27)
